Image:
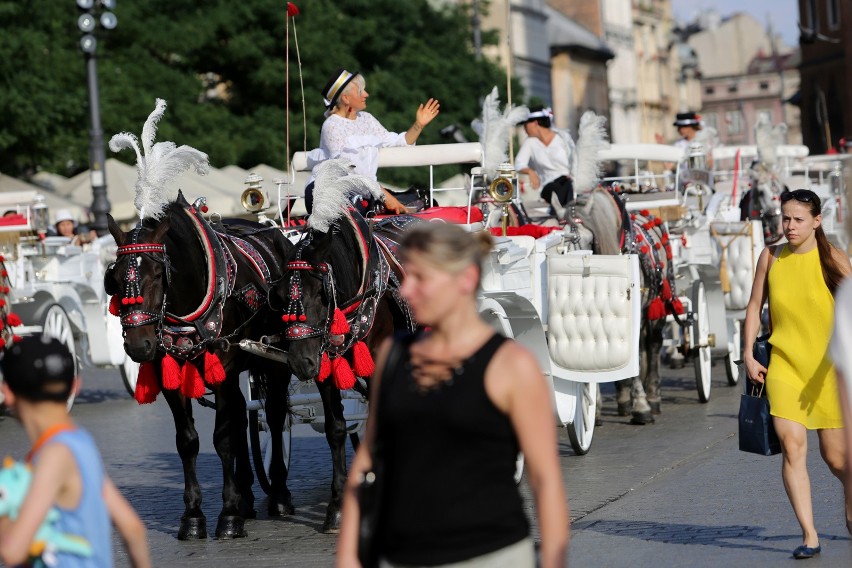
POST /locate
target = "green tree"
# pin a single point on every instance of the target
(179, 50)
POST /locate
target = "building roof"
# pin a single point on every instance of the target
(767, 63)
(565, 34)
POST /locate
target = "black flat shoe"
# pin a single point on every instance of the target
(804, 552)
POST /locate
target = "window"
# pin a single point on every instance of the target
(709, 90)
(764, 85)
(833, 11)
(733, 88)
(734, 120)
(811, 21)
(711, 119)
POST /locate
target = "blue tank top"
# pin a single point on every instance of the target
(90, 520)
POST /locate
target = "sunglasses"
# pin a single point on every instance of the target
(803, 195)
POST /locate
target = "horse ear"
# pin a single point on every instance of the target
(115, 230)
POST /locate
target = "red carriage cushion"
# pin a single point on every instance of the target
(534, 231)
(449, 214)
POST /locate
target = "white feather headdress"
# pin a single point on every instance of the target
(157, 164)
(334, 184)
(494, 129)
(767, 139)
(591, 139)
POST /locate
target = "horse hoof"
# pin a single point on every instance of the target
(247, 510)
(624, 409)
(332, 522)
(655, 407)
(280, 507)
(642, 418)
(192, 528)
(230, 526)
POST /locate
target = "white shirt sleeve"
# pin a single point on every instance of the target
(522, 159)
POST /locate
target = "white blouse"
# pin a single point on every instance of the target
(840, 347)
(358, 140)
(550, 161)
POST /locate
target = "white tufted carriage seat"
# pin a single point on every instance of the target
(737, 248)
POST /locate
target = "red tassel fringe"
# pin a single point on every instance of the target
(339, 325)
(325, 368)
(344, 379)
(171, 373)
(362, 360)
(656, 309)
(667, 290)
(191, 385)
(13, 320)
(147, 387)
(214, 372)
(678, 306)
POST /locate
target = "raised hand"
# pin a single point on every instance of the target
(426, 112)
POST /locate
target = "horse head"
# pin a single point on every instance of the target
(138, 281)
(598, 219)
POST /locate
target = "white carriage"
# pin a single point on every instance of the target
(578, 313)
(57, 287)
(655, 178)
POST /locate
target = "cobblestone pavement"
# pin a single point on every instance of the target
(674, 493)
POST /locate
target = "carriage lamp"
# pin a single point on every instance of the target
(502, 189)
(40, 215)
(696, 157)
(253, 198)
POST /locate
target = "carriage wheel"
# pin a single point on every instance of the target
(57, 325)
(259, 435)
(129, 374)
(582, 429)
(700, 333)
(735, 352)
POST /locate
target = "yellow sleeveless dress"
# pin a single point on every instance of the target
(801, 383)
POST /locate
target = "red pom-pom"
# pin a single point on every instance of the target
(139, 299)
(4, 273)
(639, 237)
(125, 301)
(16, 338)
(658, 221)
(2, 258)
(292, 10)
(191, 385)
(362, 360)
(645, 249)
(339, 325)
(147, 387)
(658, 246)
(633, 216)
(2, 343)
(303, 318)
(667, 290)
(114, 307)
(325, 367)
(131, 300)
(665, 239)
(204, 209)
(344, 379)
(171, 372)
(364, 203)
(2, 302)
(644, 212)
(214, 372)
(13, 320)
(668, 254)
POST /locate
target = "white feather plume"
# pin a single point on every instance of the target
(708, 137)
(767, 139)
(591, 139)
(494, 130)
(157, 164)
(334, 185)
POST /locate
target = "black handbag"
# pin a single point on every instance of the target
(371, 486)
(756, 429)
(762, 349)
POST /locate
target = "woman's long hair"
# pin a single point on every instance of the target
(831, 272)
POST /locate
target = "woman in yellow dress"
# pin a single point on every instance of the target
(803, 276)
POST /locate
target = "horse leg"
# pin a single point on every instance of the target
(243, 472)
(193, 524)
(335, 434)
(640, 411)
(280, 502)
(651, 382)
(622, 396)
(229, 436)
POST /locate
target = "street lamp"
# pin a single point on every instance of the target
(94, 15)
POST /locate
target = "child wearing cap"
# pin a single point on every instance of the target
(67, 471)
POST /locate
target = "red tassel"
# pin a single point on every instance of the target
(362, 360)
(344, 379)
(667, 290)
(16, 338)
(325, 368)
(678, 306)
(114, 306)
(171, 373)
(656, 309)
(147, 387)
(191, 385)
(339, 325)
(2, 343)
(214, 372)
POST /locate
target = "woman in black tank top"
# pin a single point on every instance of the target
(455, 409)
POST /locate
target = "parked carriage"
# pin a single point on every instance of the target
(57, 287)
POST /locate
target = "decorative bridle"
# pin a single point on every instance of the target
(131, 295)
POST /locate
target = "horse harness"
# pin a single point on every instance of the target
(188, 336)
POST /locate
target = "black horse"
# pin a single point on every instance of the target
(186, 291)
(341, 299)
(600, 221)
